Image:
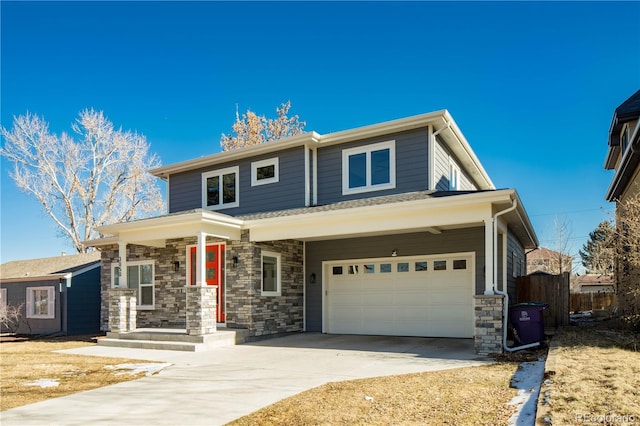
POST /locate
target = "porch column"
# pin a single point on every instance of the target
(122, 309)
(488, 256)
(201, 309)
(122, 253)
(201, 260)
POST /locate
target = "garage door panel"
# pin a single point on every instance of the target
(411, 299)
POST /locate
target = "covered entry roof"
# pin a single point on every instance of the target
(418, 211)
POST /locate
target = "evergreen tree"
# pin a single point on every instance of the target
(598, 252)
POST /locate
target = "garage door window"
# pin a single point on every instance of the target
(337, 270)
(440, 265)
(270, 274)
(460, 264)
(370, 268)
(403, 267)
(421, 266)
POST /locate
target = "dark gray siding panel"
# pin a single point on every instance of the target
(83, 303)
(411, 166)
(454, 241)
(17, 295)
(515, 252)
(185, 189)
(441, 169)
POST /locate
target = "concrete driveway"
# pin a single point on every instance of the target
(215, 387)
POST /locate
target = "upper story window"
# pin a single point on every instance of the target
(264, 172)
(369, 168)
(220, 189)
(454, 176)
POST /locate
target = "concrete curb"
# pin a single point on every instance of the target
(543, 412)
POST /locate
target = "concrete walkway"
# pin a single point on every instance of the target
(215, 387)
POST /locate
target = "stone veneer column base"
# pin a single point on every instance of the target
(122, 309)
(488, 329)
(201, 309)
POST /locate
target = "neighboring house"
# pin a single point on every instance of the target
(546, 260)
(389, 229)
(593, 283)
(57, 294)
(623, 156)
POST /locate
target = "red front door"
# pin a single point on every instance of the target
(214, 273)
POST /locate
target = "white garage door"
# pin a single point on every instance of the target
(429, 296)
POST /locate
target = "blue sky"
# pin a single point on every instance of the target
(532, 86)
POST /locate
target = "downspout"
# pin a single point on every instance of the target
(503, 293)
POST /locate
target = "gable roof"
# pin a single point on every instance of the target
(441, 122)
(627, 111)
(48, 267)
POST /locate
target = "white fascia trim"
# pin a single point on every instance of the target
(229, 156)
(153, 231)
(470, 208)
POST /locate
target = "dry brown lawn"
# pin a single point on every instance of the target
(464, 396)
(24, 361)
(595, 376)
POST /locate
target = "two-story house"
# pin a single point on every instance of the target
(389, 229)
(623, 156)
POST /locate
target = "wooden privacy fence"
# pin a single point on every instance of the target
(580, 302)
(550, 289)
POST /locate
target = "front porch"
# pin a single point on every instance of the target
(173, 339)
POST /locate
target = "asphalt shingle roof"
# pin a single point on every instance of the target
(47, 266)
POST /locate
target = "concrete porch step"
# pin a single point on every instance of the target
(173, 339)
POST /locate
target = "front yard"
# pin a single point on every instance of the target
(594, 378)
(31, 371)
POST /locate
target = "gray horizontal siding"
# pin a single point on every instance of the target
(441, 170)
(454, 241)
(185, 189)
(411, 166)
(514, 246)
(17, 295)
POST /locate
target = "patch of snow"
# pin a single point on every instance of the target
(527, 380)
(43, 383)
(133, 369)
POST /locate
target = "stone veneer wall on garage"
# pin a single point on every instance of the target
(246, 307)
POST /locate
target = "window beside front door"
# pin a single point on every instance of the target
(140, 276)
(369, 168)
(41, 302)
(220, 189)
(271, 274)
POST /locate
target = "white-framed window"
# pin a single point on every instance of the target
(454, 176)
(369, 168)
(271, 274)
(141, 277)
(265, 171)
(41, 302)
(220, 189)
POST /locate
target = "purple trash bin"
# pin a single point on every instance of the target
(527, 319)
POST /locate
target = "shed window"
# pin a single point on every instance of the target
(41, 302)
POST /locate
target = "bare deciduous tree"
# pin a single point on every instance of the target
(11, 317)
(97, 179)
(562, 235)
(253, 129)
(628, 259)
